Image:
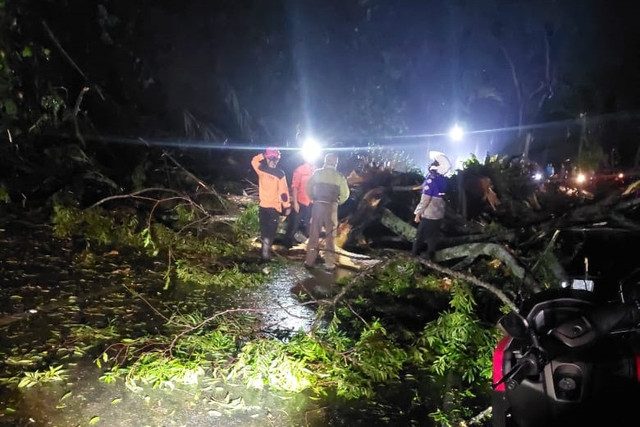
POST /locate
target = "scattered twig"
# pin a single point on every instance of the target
(478, 418)
(364, 322)
(331, 303)
(136, 294)
(199, 181)
(134, 195)
(76, 109)
(208, 320)
(471, 279)
(68, 57)
(549, 246)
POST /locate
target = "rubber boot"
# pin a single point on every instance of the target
(266, 249)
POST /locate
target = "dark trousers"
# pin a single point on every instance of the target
(268, 218)
(297, 221)
(428, 234)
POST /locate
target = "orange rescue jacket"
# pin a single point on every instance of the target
(299, 181)
(273, 190)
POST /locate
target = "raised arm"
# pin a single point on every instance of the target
(255, 162)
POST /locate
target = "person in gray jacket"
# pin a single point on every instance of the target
(327, 188)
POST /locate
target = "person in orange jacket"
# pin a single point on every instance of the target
(273, 193)
(300, 202)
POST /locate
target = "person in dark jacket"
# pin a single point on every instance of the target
(273, 193)
(430, 211)
(327, 188)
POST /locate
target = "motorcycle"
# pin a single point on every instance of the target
(568, 359)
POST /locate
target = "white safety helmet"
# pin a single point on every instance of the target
(441, 163)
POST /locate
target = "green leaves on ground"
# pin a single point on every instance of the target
(54, 373)
(364, 351)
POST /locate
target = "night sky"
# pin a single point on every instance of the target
(353, 73)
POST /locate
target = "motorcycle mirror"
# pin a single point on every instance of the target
(514, 325)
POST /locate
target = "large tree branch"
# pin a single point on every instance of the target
(472, 280)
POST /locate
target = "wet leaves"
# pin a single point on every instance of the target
(20, 362)
(54, 373)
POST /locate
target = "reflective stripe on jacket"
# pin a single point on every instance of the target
(432, 205)
(273, 189)
(328, 185)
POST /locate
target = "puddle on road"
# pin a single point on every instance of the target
(285, 290)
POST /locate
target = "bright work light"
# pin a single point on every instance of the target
(456, 133)
(311, 150)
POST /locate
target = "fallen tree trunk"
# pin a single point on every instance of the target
(469, 251)
(473, 250)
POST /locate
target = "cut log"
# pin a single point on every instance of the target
(242, 199)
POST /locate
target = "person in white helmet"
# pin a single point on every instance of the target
(431, 208)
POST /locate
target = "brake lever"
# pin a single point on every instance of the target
(529, 364)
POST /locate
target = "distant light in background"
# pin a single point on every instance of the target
(581, 178)
(456, 133)
(311, 150)
(537, 176)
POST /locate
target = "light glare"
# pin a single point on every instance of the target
(456, 133)
(311, 150)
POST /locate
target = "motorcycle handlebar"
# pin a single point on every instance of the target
(587, 329)
(575, 333)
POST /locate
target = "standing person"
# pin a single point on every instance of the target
(431, 209)
(273, 193)
(327, 188)
(300, 202)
